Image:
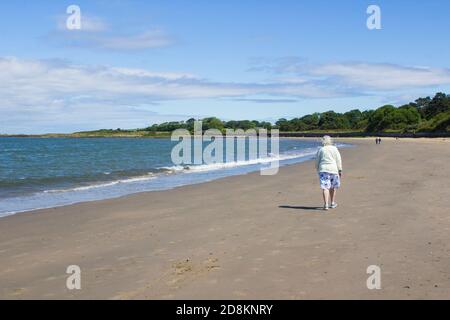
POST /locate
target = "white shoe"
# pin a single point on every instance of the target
(325, 208)
(333, 205)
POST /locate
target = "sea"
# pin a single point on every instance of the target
(37, 173)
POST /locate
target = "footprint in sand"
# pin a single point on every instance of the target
(182, 267)
(184, 270)
(180, 271)
(211, 263)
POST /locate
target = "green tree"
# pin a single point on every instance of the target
(439, 104)
(311, 121)
(354, 118)
(212, 123)
(190, 124)
(380, 119)
(331, 120)
(284, 125)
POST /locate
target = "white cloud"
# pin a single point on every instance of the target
(148, 39)
(41, 82)
(95, 33)
(383, 76)
(48, 82)
(265, 100)
(150, 74)
(89, 23)
(355, 76)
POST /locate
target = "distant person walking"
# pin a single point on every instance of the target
(329, 168)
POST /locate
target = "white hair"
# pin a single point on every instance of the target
(327, 141)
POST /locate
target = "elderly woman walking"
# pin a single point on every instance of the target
(329, 167)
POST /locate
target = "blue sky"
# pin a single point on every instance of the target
(134, 63)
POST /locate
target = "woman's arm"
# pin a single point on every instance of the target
(338, 160)
(318, 160)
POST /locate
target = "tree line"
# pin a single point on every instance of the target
(423, 115)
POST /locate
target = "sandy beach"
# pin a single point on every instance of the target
(250, 236)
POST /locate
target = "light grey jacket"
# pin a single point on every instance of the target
(328, 159)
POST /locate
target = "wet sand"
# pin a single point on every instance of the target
(251, 236)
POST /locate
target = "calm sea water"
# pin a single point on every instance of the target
(42, 173)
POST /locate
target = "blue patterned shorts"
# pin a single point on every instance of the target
(329, 180)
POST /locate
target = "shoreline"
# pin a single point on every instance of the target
(248, 236)
(173, 177)
(247, 166)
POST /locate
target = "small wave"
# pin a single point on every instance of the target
(228, 165)
(187, 169)
(147, 177)
(173, 169)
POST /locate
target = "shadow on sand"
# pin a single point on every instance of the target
(301, 208)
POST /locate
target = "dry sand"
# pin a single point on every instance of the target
(250, 237)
